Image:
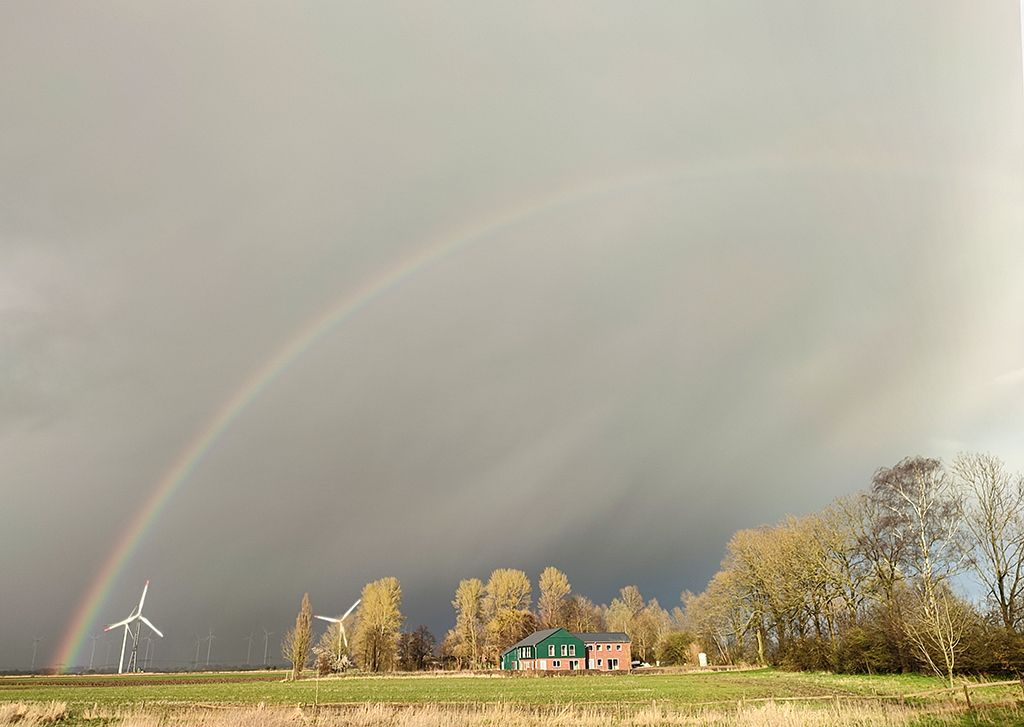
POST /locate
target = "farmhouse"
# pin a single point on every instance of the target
(559, 650)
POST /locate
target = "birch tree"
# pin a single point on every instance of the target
(924, 511)
(994, 517)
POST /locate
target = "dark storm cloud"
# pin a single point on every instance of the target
(805, 265)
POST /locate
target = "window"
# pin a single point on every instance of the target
(565, 650)
(599, 662)
(551, 649)
(598, 647)
(556, 664)
(572, 649)
(618, 647)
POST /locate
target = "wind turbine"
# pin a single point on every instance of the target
(249, 651)
(35, 644)
(209, 642)
(93, 654)
(341, 623)
(137, 618)
(266, 638)
(199, 641)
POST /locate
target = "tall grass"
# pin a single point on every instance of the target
(378, 715)
(31, 714)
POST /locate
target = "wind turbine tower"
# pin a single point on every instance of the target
(138, 619)
(93, 654)
(266, 638)
(209, 643)
(35, 645)
(249, 650)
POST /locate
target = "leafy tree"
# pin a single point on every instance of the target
(552, 603)
(506, 610)
(295, 647)
(644, 623)
(467, 639)
(375, 643)
(674, 648)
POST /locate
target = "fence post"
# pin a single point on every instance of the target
(967, 694)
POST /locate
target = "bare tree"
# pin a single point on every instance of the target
(296, 645)
(994, 516)
(922, 509)
(416, 649)
(583, 616)
(332, 653)
(939, 628)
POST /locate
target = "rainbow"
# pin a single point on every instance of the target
(86, 616)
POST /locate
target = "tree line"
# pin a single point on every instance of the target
(489, 617)
(878, 581)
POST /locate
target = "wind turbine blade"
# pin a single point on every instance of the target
(156, 631)
(352, 607)
(143, 599)
(328, 618)
(121, 623)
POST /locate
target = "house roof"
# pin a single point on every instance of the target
(607, 636)
(535, 638)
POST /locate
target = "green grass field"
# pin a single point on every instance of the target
(625, 694)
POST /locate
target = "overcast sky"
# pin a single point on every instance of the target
(732, 257)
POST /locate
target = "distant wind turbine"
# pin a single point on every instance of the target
(266, 638)
(249, 650)
(199, 640)
(93, 654)
(138, 619)
(209, 642)
(341, 623)
(35, 644)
